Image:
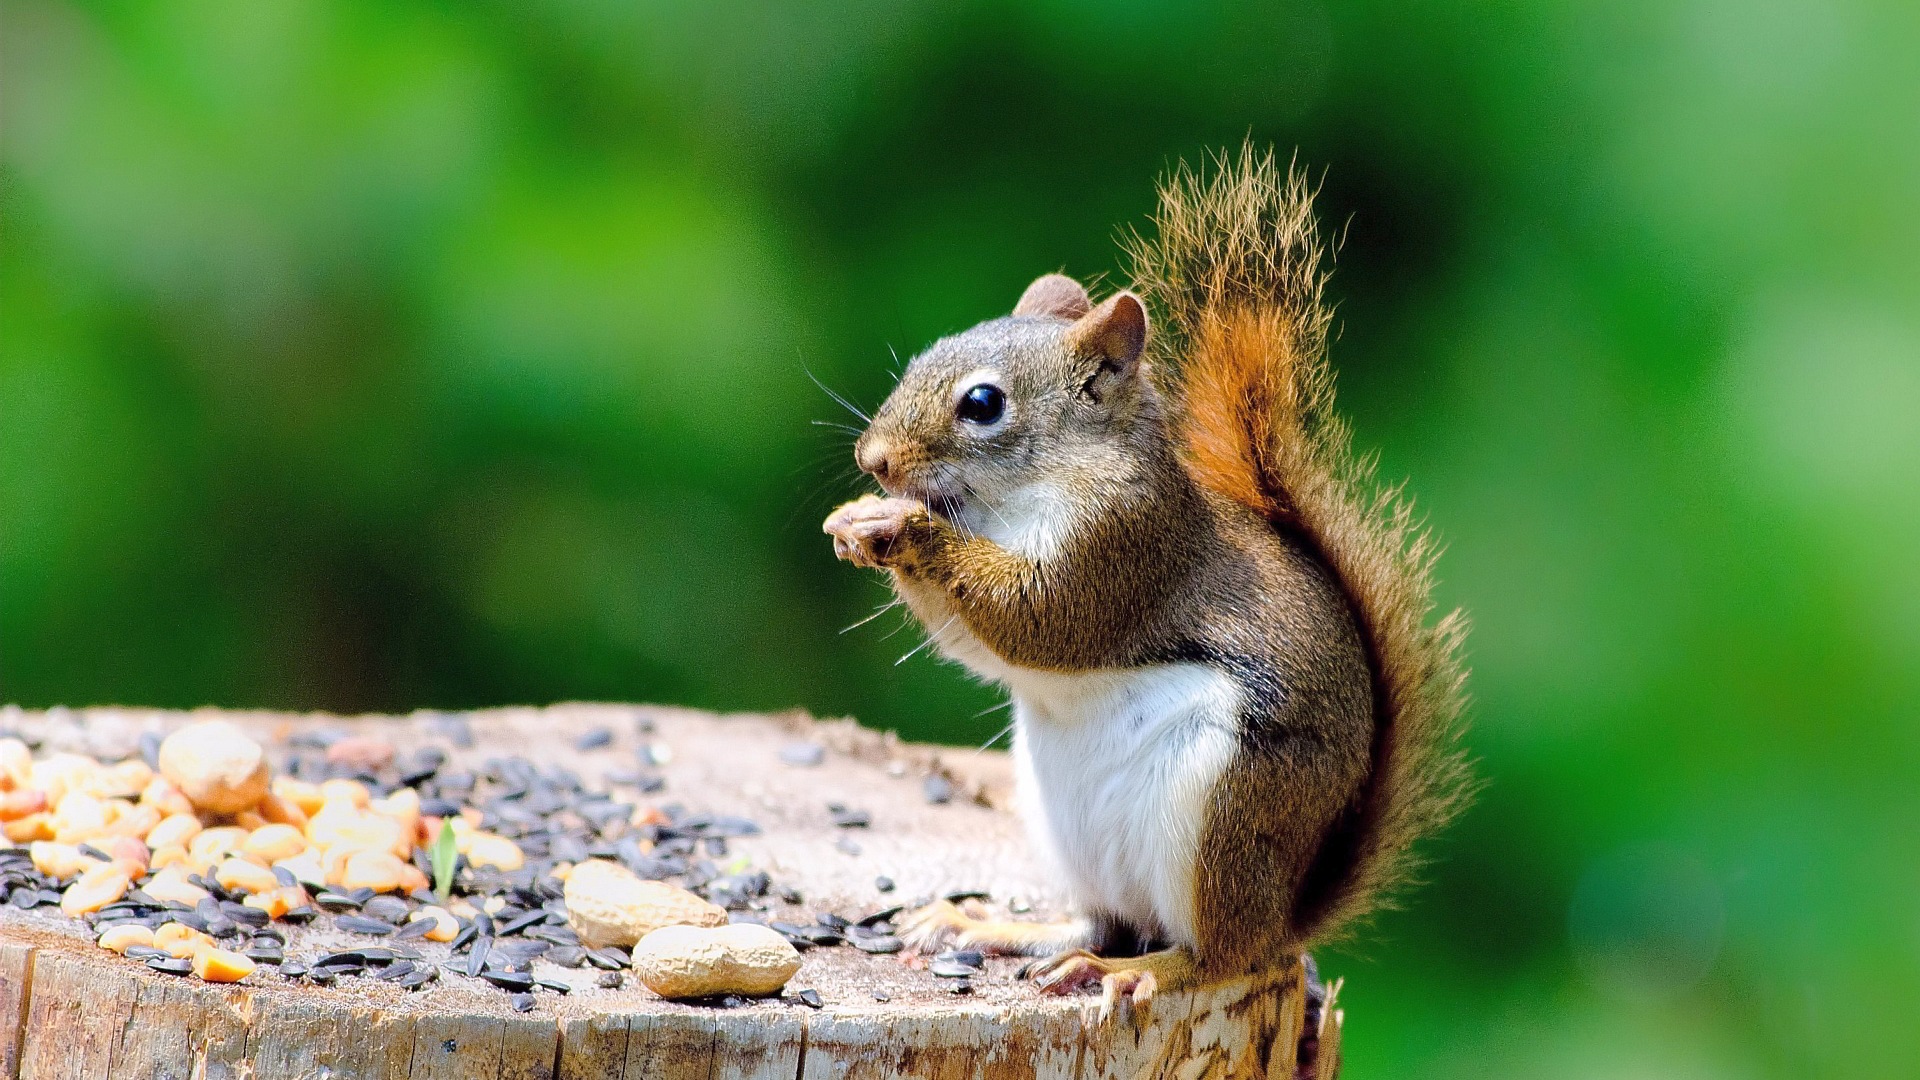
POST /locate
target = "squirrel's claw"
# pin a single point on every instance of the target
(1066, 972)
(1125, 993)
(1124, 990)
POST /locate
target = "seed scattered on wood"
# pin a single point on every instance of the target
(608, 980)
(593, 739)
(803, 754)
(360, 924)
(937, 789)
(848, 818)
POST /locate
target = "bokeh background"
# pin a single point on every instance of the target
(383, 355)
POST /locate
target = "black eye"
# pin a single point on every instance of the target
(982, 404)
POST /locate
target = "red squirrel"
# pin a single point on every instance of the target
(1232, 714)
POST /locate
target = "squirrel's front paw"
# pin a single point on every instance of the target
(872, 531)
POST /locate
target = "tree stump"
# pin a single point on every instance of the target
(71, 1009)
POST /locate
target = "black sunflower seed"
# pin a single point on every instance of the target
(961, 986)
(823, 935)
(568, 956)
(418, 977)
(810, 998)
(971, 957)
(878, 944)
(509, 980)
(794, 934)
(415, 929)
(333, 901)
(169, 965)
(609, 958)
(477, 959)
(250, 917)
(521, 1002)
(292, 971)
(878, 917)
(952, 969)
(848, 818)
(386, 908)
(968, 894)
(608, 980)
(883, 883)
(593, 739)
(396, 970)
(521, 922)
(359, 924)
(191, 919)
(554, 985)
(145, 952)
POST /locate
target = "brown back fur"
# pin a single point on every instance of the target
(1235, 279)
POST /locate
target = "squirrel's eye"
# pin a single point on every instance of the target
(982, 404)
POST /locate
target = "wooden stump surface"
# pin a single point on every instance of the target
(71, 1009)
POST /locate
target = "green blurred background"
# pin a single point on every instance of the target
(373, 356)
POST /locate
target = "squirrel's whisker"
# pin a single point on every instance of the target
(882, 610)
(830, 392)
(928, 641)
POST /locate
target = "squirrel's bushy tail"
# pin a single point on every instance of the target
(1234, 274)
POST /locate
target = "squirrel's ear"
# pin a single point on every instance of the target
(1055, 295)
(1114, 334)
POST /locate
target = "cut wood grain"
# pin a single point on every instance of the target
(71, 1010)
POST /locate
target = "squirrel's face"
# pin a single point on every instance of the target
(983, 414)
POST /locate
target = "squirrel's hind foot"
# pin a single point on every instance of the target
(1127, 984)
(942, 924)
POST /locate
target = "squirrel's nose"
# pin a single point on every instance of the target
(874, 457)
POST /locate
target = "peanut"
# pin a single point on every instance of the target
(95, 889)
(221, 965)
(216, 766)
(607, 904)
(181, 940)
(122, 937)
(245, 876)
(699, 961)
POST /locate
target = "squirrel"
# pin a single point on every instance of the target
(1232, 715)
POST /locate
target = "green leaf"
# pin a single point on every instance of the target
(443, 855)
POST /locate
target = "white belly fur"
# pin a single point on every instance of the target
(1115, 771)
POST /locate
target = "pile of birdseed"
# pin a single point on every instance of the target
(521, 829)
